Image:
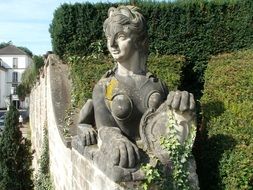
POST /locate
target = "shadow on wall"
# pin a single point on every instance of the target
(208, 150)
(211, 110)
(209, 162)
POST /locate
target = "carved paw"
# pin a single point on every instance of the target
(181, 100)
(87, 135)
(124, 153)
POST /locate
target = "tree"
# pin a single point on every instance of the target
(26, 50)
(29, 76)
(15, 156)
(38, 62)
(4, 44)
(22, 91)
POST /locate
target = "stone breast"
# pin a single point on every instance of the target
(121, 106)
(123, 102)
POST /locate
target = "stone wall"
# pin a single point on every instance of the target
(38, 117)
(48, 102)
(86, 176)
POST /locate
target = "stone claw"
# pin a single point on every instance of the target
(125, 154)
(88, 135)
(181, 100)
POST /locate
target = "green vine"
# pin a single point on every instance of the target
(68, 120)
(179, 153)
(43, 179)
(152, 175)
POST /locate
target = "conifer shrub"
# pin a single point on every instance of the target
(227, 146)
(15, 155)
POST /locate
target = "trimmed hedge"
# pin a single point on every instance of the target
(167, 68)
(227, 157)
(76, 27)
(196, 29)
(86, 71)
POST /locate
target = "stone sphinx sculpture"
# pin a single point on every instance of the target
(127, 116)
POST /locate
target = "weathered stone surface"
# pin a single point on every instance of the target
(69, 169)
(89, 176)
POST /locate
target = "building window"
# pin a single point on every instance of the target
(15, 62)
(14, 77)
(14, 89)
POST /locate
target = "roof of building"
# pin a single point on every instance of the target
(11, 50)
(2, 68)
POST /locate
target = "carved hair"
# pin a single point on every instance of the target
(130, 17)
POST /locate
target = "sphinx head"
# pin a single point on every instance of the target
(126, 23)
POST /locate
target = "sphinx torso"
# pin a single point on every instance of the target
(127, 98)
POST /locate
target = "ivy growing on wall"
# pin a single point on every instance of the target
(180, 154)
(43, 180)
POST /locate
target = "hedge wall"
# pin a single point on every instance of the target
(227, 104)
(195, 29)
(86, 71)
(76, 27)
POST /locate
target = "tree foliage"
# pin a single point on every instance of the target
(38, 62)
(26, 50)
(29, 76)
(15, 156)
(4, 44)
(22, 91)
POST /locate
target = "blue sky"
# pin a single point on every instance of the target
(26, 22)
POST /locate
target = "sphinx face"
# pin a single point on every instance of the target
(120, 43)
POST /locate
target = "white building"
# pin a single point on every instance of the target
(13, 63)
